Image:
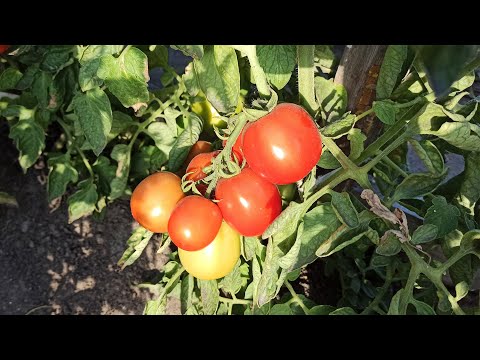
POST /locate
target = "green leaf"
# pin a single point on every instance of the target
(163, 137)
(309, 183)
(29, 139)
(343, 311)
(461, 290)
(249, 247)
(136, 243)
(463, 135)
(195, 51)
(9, 78)
(266, 289)
(210, 296)
(395, 303)
(278, 62)
(444, 64)
(443, 215)
(385, 111)
(281, 309)
(340, 127)
(425, 233)
(318, 225)
(422, 308)
(286, 223)
(126, 77)
(469, 192)
(429, 154)
(324, 58)
(97, 51)
(184, 142)
(328, 161)
(40, 86)
(105, 172)
(191, 81)
(219, 77)
(28, 77)
(464, 83)
(120, 122)
(121, 153)
(344, 236)
(186, 292)
(83, 202)
(233, 281)
(321, 310)
(57, 57)
(357, 140)
(343, 207)
(94, 117)
(156, 307)
(87, 76)
(389, 245)
(171, 116)
(332, 98)
(390, 70)
(6, 199)
(61, 173)
(415, 185)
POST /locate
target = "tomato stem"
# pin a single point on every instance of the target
(296, 298)
(376, 301)
(70, 139)
(235, 301)
(306, 72)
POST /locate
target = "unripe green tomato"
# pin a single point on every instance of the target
(287, 192)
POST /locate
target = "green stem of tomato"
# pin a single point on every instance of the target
(70, 139)
(394, 166)
(306, 72)
(296, 298)
(376, 301)
(225, 155)
(235, 301)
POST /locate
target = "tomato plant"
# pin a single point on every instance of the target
(370, 172)
(154, 199)
(194, 223)
(248, 202)
(216, 259)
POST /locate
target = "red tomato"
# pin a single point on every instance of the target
(154, 199)
(199, 147)
(248, 202)
(198, 163)
(3, 48)
(196, 166)
(237, 148)
(284, 145)
(194, 223)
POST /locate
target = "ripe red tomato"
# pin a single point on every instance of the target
(154, 199)
(199, 147)
(196, 166)
(216, 259)
(237, 148)
(194, 223)
(3, 48)
(248, 202)
(284, 145)
(198, 163)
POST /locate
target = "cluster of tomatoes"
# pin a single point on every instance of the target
(280, 148)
